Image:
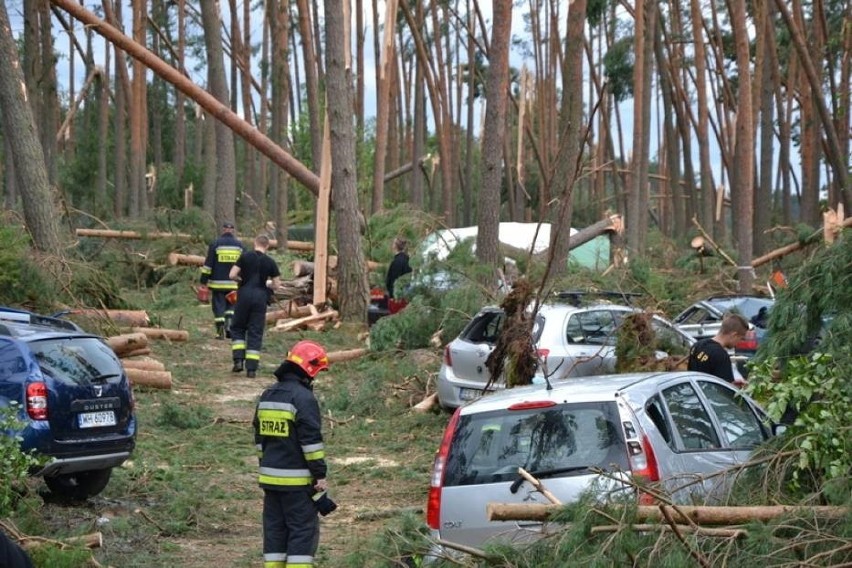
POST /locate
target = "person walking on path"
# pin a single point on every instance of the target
(258, 276)
(288, 435)
(222, 253)
(398, 266)
(711, 356)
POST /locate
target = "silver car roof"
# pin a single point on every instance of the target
(576, 389)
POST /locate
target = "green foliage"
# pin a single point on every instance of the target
(66, 557)
(14, 464)
(181, 417)
(23, 282)
(618, 68)
(809, 342)
(402, 542)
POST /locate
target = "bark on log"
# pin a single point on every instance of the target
(346, 355)
(143, 364)
(610, 224)
(426, 404)
(153, 379)
(176, 258)
(701, 531)
(296, 323)
(123, 344)
(137, 318)
(141, 352)
(162, 333)
(696, 514)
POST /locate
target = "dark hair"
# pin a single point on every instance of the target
(400, 244)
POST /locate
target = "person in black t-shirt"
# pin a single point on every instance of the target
(398, 266)
(711, 355)
(258, 277)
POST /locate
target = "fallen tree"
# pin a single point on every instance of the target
(699, 515)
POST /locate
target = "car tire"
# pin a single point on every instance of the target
(78, 486)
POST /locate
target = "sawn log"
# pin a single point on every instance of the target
(296, 323)
(125, 343)
(701, 515)
(143, 364)
(346, 355)
(153, 379)
(121, 317)
(162, 333)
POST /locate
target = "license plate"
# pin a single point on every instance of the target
(96, 419)
(470, 394)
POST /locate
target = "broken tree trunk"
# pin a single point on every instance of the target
(161, 333)
(306, 267)
(346, 355)
(611, 224)
(143, 364)
(125, 343)
(122, 317)
(700, 515)
(153, 379)
(792, 247)
(111, 234)
(426, 404)
(296, 323)
(178, 259)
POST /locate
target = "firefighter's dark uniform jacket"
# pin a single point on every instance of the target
(287, 433)
(221, 256)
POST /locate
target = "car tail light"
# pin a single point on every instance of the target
(532, 405)
(448, 359)
(37, 401)
(436, 483)
(643, 464)
(749, 342)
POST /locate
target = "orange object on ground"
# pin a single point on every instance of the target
(231, 297)
(395, 305)
(203, 294)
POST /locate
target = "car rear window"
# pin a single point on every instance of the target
(485, 327)
(76, 360)
(489, 447)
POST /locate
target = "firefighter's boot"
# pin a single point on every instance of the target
(238, 366)
(220, 330)
(228, 327)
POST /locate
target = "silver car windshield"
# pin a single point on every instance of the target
(566, 439)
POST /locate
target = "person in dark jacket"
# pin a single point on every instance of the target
(288, 436)
(12, 555)
(258, 276)
(398, 266)
(710, 355)
(221, 256)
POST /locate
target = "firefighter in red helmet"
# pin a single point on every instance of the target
(287, 426)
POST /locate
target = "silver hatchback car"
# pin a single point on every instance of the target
(677, 430)
(572, 341)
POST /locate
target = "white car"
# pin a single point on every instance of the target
(572, 341)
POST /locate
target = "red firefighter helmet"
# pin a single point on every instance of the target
(309, 356)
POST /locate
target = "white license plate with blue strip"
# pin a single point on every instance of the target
(96, 419)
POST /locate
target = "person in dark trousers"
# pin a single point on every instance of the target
(258, 276)
(398, 266)
(221, 256)
(710, 355)
(288, 436)
(12, 555)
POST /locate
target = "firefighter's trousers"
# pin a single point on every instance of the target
(248, 326)
(290, 529)
(223, 311)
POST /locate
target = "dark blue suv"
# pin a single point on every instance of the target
(76, 401)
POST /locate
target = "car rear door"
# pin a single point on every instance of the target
(560, 444)
(589, 336)
(89, 397)
(473, 345)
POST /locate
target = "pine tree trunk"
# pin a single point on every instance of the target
(40, 212)
(279, 28)
(493, 132)
(180, 100)
(387, 59)
(353, 289)
(310, 59)
(226, 175)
